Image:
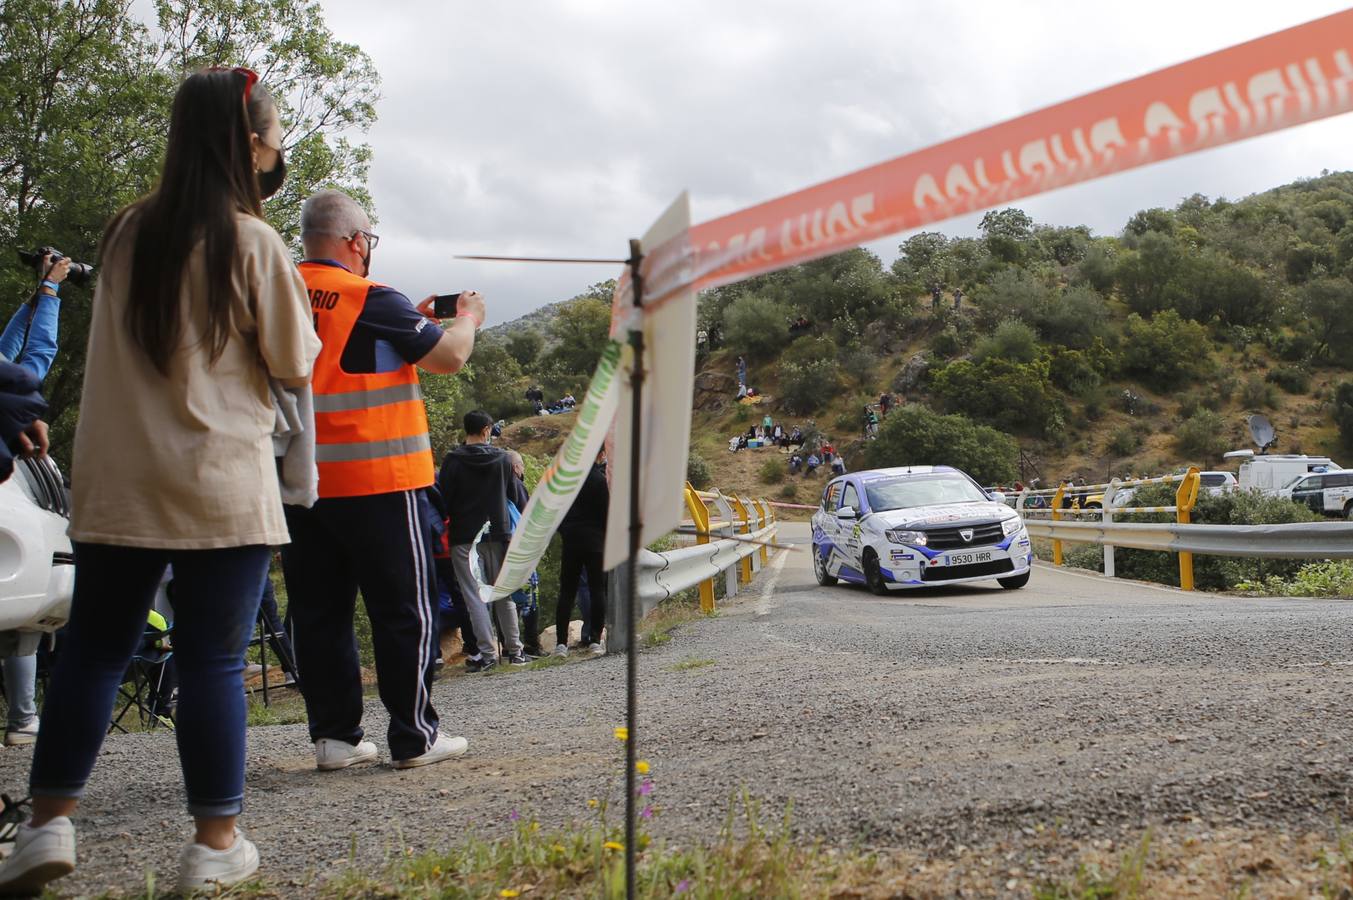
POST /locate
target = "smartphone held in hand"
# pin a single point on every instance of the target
(444, 306)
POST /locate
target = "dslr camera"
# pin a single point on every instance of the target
(80, 273)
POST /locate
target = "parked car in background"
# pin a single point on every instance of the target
(37, 567)
(1328, 493)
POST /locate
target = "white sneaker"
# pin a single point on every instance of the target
(202, 867)
(596, 649)
(560, 650)
(445, 747)
(40, 855)
(331, 754)
(22, 737)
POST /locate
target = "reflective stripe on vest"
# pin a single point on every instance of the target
(371, 430)
(326, 453)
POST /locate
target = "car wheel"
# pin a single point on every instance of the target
(1014, 582)
(873, 574)
(1348, 511)
(820, 568)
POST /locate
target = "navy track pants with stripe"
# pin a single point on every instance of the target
(378, 544)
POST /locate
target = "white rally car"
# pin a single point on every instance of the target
(918, 526)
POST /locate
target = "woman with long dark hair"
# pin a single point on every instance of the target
(198, 305)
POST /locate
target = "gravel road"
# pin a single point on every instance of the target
(933, 721)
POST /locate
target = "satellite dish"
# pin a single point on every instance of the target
(1261, 429)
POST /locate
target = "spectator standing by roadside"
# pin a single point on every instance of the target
(584, 536)
(936, 294)
(838, 466)
(369, 528)
(958, 298)
(871, 422)
(885, 403)
(742, 374)
(476, 480)
(530, 615)
(197, 307)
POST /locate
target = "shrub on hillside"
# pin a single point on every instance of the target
(1072, 371)
(1256, 393)
(1124, 441)
(1097, 268)
(698, 472)
(1343, 412)
(807, 387)
(755, 326)
(1166, 350)
(1012, 340)
(1075, 317)
(915, 435)
(1201, 436)
(1214, 572)
(1096, 404)
(772, 471)
(1293, 379)
(1014, 293)
(948, 343)
(1012, 396)
(860, 365)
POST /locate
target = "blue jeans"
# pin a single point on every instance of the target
(216, 596)
(21, 681)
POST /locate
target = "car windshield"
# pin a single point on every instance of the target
(1293, 482)
(903, 493)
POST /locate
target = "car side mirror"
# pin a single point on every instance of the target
(846, 512)
(996, 496)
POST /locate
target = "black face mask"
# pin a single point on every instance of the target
(270, 182)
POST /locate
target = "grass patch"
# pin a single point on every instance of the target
(687, 665)
(287, 708)
(657, 627)
(545, 662)
(1090, 883)
(746, 859)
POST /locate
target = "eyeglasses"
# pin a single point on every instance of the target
(250, 77)
(371, 239)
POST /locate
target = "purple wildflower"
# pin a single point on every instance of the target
(646, 788)
(514, 816)
(647, 812)
(683, 886)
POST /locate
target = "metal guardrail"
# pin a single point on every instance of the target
(736, 529)
(1304, 540)
(1186, 496)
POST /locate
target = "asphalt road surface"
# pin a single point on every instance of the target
(934, 720)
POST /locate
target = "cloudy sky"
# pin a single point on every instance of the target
(565, 127)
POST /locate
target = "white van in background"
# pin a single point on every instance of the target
(37, 567)
(1270, 473)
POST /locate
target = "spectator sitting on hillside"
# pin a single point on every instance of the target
(828, 451)
(778, 434)
(536, 397)
(796, 437)
(795, 464)
(838, 466)
(813, 463)
(568, 401)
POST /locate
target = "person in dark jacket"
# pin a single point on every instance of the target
(476, 481)
(584, 536)
(530, 615)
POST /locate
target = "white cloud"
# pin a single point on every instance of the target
(566, 127)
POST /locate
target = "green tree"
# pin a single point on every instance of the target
(914, 435)
(525, 347)
(1012, 340)
(1008, 233)
(1012, 396)
(326, 89)
(496, 383)
(1165, 351)
(756, 326)
(1325, 306)
(85, 91)
(1343, 412)
(578, 335)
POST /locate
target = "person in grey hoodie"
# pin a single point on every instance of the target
(476, 481)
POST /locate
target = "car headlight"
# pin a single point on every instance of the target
(1011, 525)
(899, 536)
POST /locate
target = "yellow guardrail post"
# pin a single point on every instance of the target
(700, 516)
(763, 507)
(1185, 497)
(745, 564)
(1057, 517)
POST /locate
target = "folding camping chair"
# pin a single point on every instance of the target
(148, 686)
(271, 634)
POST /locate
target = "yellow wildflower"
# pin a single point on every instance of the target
(622, 733)
(558, 848)
(593, 803)
(508, 892)
(641, 767)
(534, 826)
(613, 845)
(436, 871)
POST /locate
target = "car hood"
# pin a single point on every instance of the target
(941, 514)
